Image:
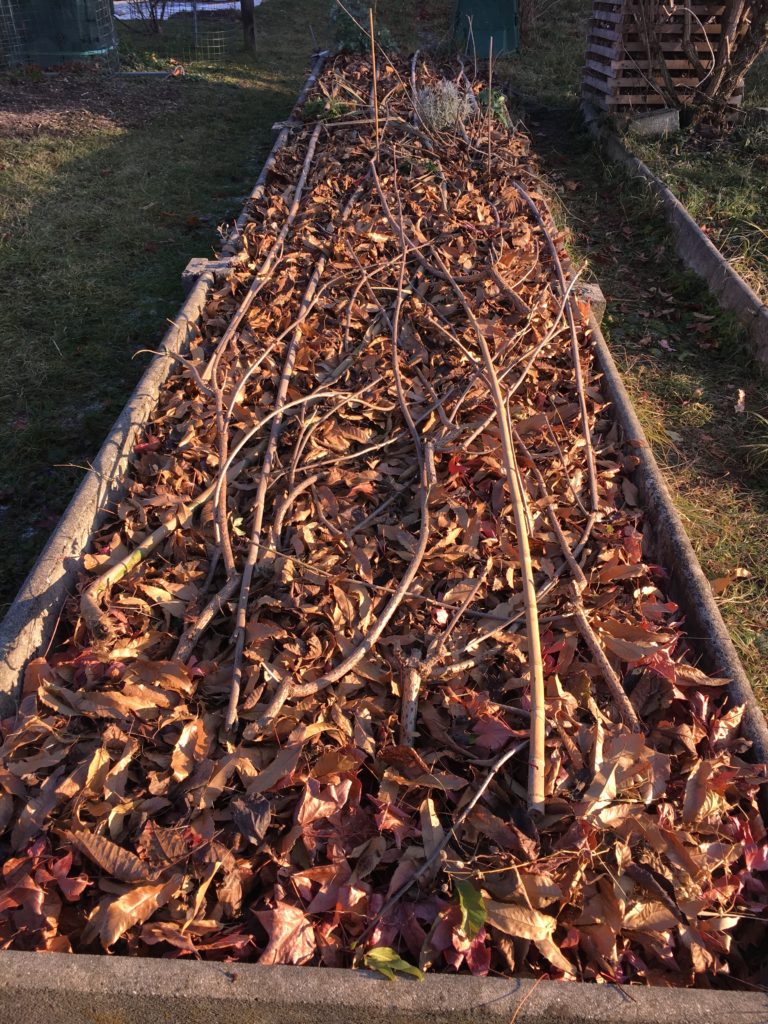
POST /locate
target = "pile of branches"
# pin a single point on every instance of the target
(368, 667)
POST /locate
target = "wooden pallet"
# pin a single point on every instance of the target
(619, 73)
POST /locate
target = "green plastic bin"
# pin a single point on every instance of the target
(479, 21)
(50, 33)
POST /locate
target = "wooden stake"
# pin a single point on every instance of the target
(490, 100)
(375, 85)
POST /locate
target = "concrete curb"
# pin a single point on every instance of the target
(61, 989)
(693, 247)
(30, 622)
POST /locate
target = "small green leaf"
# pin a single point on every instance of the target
(387, 962)
(473, 912)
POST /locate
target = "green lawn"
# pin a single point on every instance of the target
(724, 184)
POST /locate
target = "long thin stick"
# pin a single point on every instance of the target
(538, 709)
(258, 508)
(375, 84)
(417, 673)
(89, 599)
(490, 100)
(626, 710)
(590, 452)
(268, 264)
(254, 545)
(538, 704)
(573, 565)
(371, 638)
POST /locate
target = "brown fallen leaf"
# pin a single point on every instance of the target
(721, 584)
(111, 858)
(114, 915)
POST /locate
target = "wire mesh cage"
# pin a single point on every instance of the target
(51, 33)
(205, 30)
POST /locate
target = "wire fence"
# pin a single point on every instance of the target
(51, 33)
(206, 30)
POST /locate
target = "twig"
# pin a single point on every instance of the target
(449, 835)
(416, 670)
(573, 565)
(490, 100)
(252, 555)
(89, 600)
(191, 635)
(538, 712)
(627, 712)
(590, 452)
(371, 638)
(268, 264)
(375, 83)
(257, 512)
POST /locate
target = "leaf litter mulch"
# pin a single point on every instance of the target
(368, 667)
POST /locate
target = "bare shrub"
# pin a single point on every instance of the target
(442, 106)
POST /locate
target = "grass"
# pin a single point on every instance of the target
(97, 224)
(684, 362)
(723, 181)
(549, 65)
(100, 213)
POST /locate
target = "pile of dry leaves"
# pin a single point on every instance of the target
(368, 667)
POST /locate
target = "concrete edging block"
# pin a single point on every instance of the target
(665, 539)
(58, 988)
(696, 251)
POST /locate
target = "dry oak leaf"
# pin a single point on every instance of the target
(291, 936)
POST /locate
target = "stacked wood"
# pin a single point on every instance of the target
(642, 55)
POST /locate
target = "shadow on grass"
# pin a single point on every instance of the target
(99, 229)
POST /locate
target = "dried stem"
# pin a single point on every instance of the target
(627, 712)
(89, 599)
(575, 358)
(422, 870)
(375, 82)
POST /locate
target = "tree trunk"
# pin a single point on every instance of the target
(744, 39)
(249, 30)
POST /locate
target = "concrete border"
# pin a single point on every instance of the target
(693, 247)
(30, 622)
(57, 988)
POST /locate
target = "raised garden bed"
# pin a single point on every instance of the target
(311, 742)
